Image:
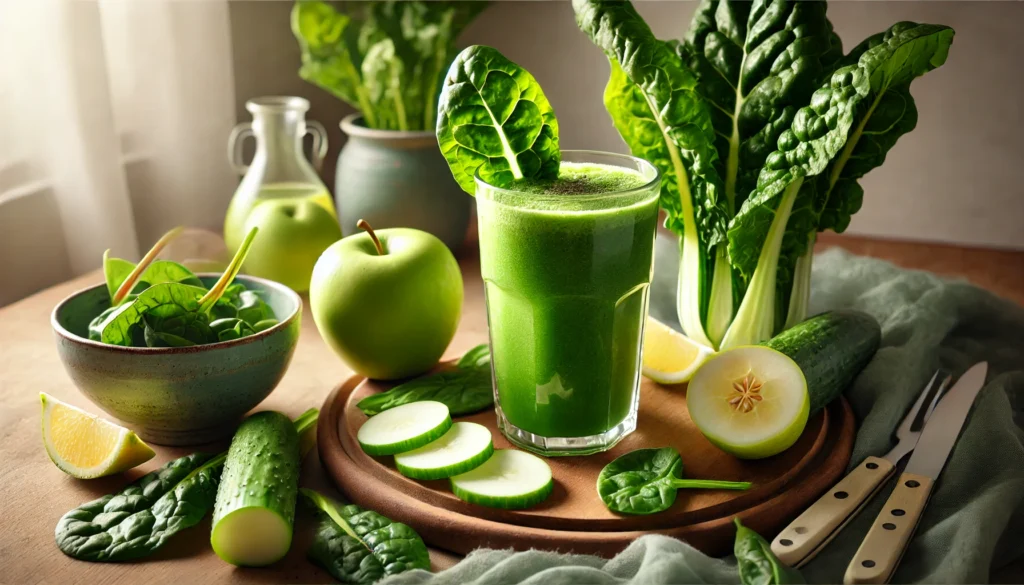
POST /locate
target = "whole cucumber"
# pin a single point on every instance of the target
(255, 507)
(831, 349)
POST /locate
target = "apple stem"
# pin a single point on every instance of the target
(365, 225)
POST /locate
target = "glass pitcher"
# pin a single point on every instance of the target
(279, 167)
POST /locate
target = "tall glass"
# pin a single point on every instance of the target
(566, 280)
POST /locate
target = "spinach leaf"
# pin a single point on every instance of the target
(655, 105)
(228, 329)
(139, 519)
(264, 325)
(130, 281)
(142, 517)
(464, 390)
(756, 563)
(493, 120)
(172, 314)
(645, 481)
(361, 546)
(126, 323)
(252, 309)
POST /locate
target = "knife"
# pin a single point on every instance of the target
(886, 541)
(799, 542)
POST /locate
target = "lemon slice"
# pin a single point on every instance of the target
(669, 356)
(85, 446)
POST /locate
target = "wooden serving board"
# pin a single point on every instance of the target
(574, 517)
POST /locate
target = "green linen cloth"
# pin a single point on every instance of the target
(974, 523)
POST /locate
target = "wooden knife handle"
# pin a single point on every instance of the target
(883, 547)
(812, 530)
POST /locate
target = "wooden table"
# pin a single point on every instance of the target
(34, 493)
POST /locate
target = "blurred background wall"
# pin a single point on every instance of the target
(115, 129)
(959, 177)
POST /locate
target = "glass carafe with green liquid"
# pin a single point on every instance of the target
(279, 168)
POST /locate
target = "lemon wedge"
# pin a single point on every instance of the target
(85, 446)
(669, 356)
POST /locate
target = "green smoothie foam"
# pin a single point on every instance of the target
(566, 273)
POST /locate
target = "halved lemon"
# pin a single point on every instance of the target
(749, 401)
(85, 446)
(669, 356)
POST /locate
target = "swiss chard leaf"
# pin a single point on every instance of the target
(142, 517)
(891, 60)
(493, 120)
(646, 481)
(464, 389)
(384, 77)
(756, 563)
(653, 101)
(361, 546)
(754, 61)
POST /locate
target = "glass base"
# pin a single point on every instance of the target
(566, 446)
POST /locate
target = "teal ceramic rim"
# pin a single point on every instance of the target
(259, 336)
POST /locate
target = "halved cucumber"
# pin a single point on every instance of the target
(751, 401)
(464, 447)
(509, 479)
(404, 428)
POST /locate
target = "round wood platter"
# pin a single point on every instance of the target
(574, 519)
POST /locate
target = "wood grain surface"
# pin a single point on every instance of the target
(573, 518)
(34, 494)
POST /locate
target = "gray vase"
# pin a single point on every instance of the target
(392, 178)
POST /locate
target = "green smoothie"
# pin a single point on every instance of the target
(566, 266)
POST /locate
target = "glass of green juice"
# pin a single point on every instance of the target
(567, 266)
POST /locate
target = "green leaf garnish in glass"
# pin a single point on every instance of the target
(493, 120)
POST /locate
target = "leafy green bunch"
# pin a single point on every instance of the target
(386, 59)
(761, 127)
(159, 303)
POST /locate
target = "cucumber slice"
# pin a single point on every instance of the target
(750, 401)
(512, 480)
(404, 428)
(464, 447)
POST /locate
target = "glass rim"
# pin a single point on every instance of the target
(277, 103)
(588, 197)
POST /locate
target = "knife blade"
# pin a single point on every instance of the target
(886, 541)
(799, 542)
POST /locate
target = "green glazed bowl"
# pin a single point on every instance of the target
(178, 395)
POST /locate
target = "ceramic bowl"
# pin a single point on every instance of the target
(178, 395)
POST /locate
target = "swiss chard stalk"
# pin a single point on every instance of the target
(132, 278)
(645, 481)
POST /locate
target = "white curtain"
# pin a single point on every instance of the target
(113, 121)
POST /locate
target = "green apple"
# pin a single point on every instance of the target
(387, 302)
(293, 234)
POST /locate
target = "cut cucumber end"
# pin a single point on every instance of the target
(464, 447)
(251, 537)
(512, 480)
(404, 428)
(751, 402)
